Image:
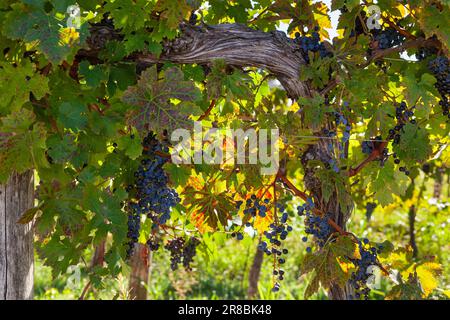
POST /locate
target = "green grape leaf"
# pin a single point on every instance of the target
(73, 115)
(415, 90)
(32, 24)
(409, 290)
(93, 74)
(414, 144)
(315, 110)
(131, 144)
(173, 11)
(60, 150)
(22, 143)
(129, 15)
(16, 83)
(328, 263)
(435, 22)
(164, 103)
(387, 182)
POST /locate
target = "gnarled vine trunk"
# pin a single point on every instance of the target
(16, 240)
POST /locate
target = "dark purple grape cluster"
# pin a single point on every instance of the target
(312, 44)
(134, 227)
(315, 225)
(153, 244)
(388, 38)
(272, 245)
(254, 207)
(401, 169)
(403, 114)
(175, 247)
(152, 195)
(189, 252)
(367, 147)
(441, 70)
(182, 251)
(359, 278)
(318, 227)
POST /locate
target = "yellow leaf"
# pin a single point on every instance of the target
(68, 36)
(427, 273)
(447, 293)
(323, 19)
(346, 265)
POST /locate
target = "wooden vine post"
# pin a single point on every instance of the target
(16, 240)
(139, 272)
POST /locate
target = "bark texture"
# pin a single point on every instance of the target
(16, 240)
(139, 272)
(238, 45)
(255, 272)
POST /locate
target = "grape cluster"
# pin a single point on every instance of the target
(441, 70)
(312, 44)
(152, 194)
(403, 114)
(318, 227)
(182, 252)
(153, 244)
(401, 169)
(134, 226)
(388, 38)
(360, 277)
(189, 251)
(175, 247)
(425, 52)
(272, 245)
(253, 206)
(315, 225)
(367, 146)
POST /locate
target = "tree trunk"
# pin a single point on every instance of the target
(16, 240)
(139, 272)
(254, 274)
